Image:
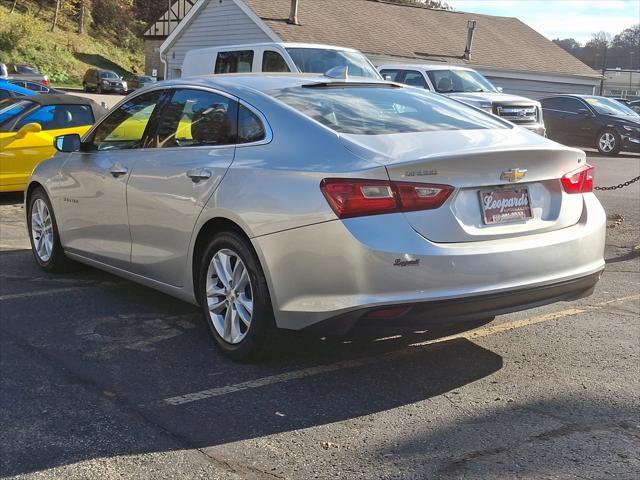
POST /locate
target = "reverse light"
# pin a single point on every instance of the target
(579, 181)
(349, 197)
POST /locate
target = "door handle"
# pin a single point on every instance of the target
(198, 174)
(118, 170)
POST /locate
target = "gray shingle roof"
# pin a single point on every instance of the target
(376, 27)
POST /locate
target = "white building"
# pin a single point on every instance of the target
(507, 51)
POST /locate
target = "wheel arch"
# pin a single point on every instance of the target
(207, 230)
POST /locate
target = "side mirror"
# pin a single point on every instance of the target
(27, 129)
(500, 89)
(584, 112)
(68, 143)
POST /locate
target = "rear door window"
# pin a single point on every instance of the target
(239, 61)
(194, 118)
(273, 62)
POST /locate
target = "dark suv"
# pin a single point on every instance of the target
(592, 121)
(103, 81)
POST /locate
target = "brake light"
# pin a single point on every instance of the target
(350, 197)
(579, 181)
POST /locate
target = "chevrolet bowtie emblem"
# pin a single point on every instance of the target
(513, 175)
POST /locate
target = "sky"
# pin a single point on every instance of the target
(561, 18)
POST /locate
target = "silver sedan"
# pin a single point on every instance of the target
(306, 202)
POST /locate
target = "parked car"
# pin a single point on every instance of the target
(624, 101)
(28, 126)
(592, 121)
(9, 90)
(468, 86)
(276, 57)
(307, 203)
(139, 81)
(103, 81)
(24, 71)
(36, 87)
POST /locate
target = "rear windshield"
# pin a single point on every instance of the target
(27, 69)
(379, 110)
(321, 60)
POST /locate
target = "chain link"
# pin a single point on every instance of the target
(621, 185)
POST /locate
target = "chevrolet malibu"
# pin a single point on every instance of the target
(303, 202)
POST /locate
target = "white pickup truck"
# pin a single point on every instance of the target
(468, 86)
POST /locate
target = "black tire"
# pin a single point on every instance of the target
(99, 89)
(57, 262)
(262, 337)
(85, 88)
(616, 142)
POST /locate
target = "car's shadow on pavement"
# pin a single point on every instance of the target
(11, 198)
(90, 363)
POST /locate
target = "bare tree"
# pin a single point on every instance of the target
(13, 7)
(55, 16)
(81, 9)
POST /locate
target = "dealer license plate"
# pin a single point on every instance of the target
(505, 205)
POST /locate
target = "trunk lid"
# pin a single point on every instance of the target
(473, 161)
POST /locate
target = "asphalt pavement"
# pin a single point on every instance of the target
(103, 378)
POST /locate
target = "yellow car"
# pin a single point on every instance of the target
(28, 127)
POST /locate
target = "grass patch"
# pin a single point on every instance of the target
(64, 55)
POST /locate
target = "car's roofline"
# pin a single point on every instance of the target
(425, 66)
(271, 44)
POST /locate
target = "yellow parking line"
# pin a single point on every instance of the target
(312, 371)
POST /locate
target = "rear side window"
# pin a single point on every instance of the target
(415, 79)
(56, 117)
(383, 109)
(250, 127)
(273, 62)
(391, 75)
(552, 103)
(234, 62)
(194, 118)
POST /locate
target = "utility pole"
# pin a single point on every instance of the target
(604, 68)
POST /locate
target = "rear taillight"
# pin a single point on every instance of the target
(579, 181)
(350, 197)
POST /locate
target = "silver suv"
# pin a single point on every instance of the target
(468, 86)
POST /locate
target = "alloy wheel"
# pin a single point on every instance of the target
(607, 142)
(229, 296)
(42, 230)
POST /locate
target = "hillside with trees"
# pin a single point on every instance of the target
(66, 37)
(621, 51)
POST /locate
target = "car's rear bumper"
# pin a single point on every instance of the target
(446, 312)
(340, 268)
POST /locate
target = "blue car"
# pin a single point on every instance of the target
(8, 90)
